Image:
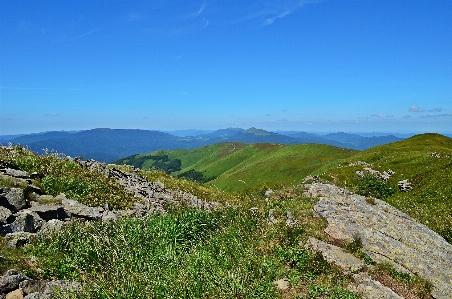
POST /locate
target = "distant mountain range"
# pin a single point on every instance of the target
(108, 145)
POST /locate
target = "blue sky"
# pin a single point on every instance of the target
(317, 66)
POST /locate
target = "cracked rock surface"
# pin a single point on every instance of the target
(387, 234)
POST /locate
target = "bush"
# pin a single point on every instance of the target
(370, 185)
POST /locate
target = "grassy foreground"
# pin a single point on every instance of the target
(230, 253)
(234, 252)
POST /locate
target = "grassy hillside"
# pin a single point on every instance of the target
(424, 160)
(230, 253)
(238, 166)
(272, 165)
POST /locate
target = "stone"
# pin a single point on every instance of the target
(51, 227)
(32, 286)
(11, 280)
(282, 284)
(16, 294)
(24, 222)
(387, 234)
(371, 289)
(61, 285)
(49, 212)
(19, 239)
(5, 214)
(404, 185)
(108, 216)
(16, 173)
(13, 199)
(75, 208)
(347, 262)
(37, 295)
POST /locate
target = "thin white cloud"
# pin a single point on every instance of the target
(436, 115)
(270, 21)
(200, 10)
(84, 34)
(52, 114)
(415, 109)
(436, 110)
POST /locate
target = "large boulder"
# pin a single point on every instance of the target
(24, 222)
(11, 280)
(13, 199)
(49, 212)
(75, 208)
(5, 214)
(387, 234)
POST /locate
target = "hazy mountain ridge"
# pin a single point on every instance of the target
(108, 145)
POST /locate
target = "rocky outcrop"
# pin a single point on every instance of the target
(21, 218)
(347, 262)
(16, 285)
(387, 234)
(153, 195)
(351, 265)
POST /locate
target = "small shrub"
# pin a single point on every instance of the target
(372, 186)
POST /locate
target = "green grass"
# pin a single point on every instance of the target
(238, 166)
(61, 175)
(230, 253)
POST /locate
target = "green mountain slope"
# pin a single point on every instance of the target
(424, 160)
(238, 166)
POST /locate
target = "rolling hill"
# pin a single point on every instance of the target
(108, 145)
(424, 161)
(239, 166)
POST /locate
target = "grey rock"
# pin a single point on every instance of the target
(153, 195)
(387, 234)
(51, 227)
(347, 262)
(13, 199)
(371, 289)
(109, 216)
(32, 286)
(404, 185)
(16, 173)
(75, 208)
(37, 295)
(11, 280)
(271, 218)
(5, 214)
(19, 239)
(24, 222)
(48, 212)
(282, 284)
(61, 285)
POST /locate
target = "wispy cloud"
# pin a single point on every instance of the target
(270, 20)
(52, 114)
(436, 115)
(197, 13)
(84, 34)
(381, 115)
(415, 109)
(436, 110)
